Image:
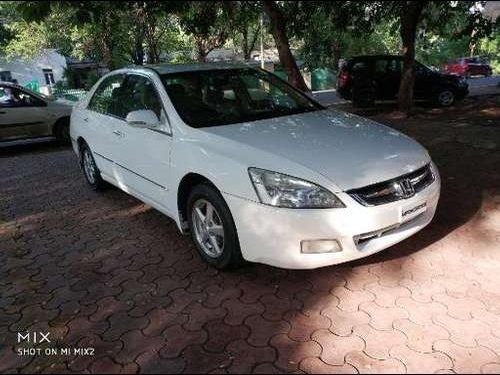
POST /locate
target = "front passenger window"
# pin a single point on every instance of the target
(141, 94)
(108, 98)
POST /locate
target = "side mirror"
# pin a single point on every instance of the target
(143, 119)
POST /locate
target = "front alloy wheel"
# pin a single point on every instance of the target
(212, 227)
(208, 228)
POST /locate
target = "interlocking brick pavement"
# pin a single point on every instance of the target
(106, 271)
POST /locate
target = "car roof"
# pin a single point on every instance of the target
(191, 67)
(11, 84)
(367, 57)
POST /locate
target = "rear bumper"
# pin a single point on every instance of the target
(344, 92)
(273, 235)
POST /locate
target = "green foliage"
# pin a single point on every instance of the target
(489, 47)
(121, 33)
(91, 80)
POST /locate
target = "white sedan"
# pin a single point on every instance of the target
(26, 114)
(252, 168)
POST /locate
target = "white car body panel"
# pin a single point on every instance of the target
(335, 150)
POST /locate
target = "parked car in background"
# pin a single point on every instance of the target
(365, 79)
(468, 66)
(253, 168)
(25, 114)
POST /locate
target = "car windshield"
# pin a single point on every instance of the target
(220, 97)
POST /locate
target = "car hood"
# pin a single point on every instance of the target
(349, 150)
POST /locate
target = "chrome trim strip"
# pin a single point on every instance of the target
(21, 124)
(161, 132)
(102, 156)
(141, 176)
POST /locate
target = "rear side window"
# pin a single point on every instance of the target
(360, 66)
(107, 97)
(394, 66)
(381, 66)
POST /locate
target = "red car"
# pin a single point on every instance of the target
(468, 66)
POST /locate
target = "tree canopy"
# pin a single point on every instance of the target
(316, 33)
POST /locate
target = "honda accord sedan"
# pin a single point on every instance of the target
(253, 169)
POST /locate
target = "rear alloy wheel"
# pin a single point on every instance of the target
(90, 170)
(212, 228)
(446, 98)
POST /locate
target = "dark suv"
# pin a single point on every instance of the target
(364, 79)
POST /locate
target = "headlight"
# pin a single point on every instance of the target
(281, 190)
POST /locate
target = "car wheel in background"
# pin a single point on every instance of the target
(62, 131)
(212, 228)
(90, 170)
(445, 97)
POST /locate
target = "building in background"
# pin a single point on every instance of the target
(82, 74)
(39, 73)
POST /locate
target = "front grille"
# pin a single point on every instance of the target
(399, 188)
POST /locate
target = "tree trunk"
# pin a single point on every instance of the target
(282, 43)
(202, 51)
(244, 42)
(472, 42)
(107, 50)
(409, 18)
(138, 55)
(249, 44)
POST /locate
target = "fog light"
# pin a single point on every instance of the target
(320, 246)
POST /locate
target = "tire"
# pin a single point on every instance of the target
(445, 97)
(216, 229)
(363, 97)
(90, 171)
(62, 131)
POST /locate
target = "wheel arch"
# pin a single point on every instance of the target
(186, 184)
(80, 141)
(59, 122)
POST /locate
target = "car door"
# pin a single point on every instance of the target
(23, 115)
(425, 82)
(144, 154)
(383, 87)
(393, 73)
(102, 123)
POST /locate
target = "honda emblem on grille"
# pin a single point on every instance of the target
(404, 188)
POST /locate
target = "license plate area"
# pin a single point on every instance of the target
(409, 212)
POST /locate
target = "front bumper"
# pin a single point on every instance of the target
(273, 235)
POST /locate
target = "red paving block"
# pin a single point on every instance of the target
(107, 271)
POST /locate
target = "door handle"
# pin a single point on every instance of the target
(118, 133)
(2, 112)
(86, 119)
